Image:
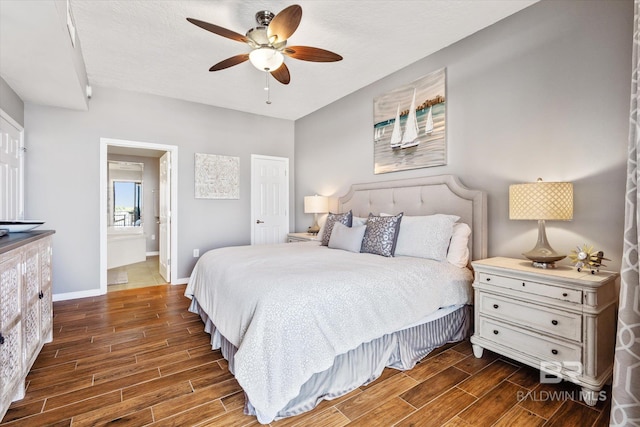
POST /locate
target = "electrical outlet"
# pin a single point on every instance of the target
(153, 237)
(196, 253)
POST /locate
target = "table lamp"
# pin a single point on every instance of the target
(315, 205)
(542, 201)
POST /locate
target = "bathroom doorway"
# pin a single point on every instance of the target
(131, 234)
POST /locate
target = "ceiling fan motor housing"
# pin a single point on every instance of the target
(264, 17)
(259, 38)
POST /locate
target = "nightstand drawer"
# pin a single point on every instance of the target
(535, 345)
(544, 319)
(550, 291)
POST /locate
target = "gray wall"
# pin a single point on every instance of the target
(11, 103)
(62, 170)
(543, 93)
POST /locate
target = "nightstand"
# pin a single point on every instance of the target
(302, 237)
(560, 321)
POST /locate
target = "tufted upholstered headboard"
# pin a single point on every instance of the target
(423, 196)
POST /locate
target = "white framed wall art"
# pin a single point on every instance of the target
(217, 177)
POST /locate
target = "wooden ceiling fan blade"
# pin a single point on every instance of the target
(219, 30)
(313, 54)
(282, 74)
(230, 62)
(284, 24)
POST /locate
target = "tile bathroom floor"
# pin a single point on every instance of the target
(140, 275)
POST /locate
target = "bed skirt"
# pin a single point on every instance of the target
(362, 365)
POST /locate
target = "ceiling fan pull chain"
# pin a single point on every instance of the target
(266, 86)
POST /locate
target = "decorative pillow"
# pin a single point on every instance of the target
(426, 236)
(356, 221)
(347, 238)
(381, 235)
(458, 253)
(343, 218)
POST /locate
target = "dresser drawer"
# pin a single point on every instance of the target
(544, 319)
(550, 291)
(540, 347)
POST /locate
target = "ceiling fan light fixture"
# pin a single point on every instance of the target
(266, 58)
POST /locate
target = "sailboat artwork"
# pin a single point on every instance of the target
(428, 126)
(396, 135)
(417, 135)
(410, 135)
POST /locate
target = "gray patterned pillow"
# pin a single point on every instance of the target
(343, 218)
(381, 235)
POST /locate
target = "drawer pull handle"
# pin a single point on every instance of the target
(495, 306)
(495, 332)
(524, 284)
(554, 351)
(1, 339)
(554, 322)
(564, 294)
(488, 279)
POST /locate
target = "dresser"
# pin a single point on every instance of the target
(302, 237)
(560, 321)
(26, 313)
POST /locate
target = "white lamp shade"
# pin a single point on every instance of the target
(266, 58)
(316, 204)
(541, 201)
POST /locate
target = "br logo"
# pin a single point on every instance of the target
(552, 372)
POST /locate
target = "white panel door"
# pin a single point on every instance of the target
(11, 171)
(164, 202)
(269, 199)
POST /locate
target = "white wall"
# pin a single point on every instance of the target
(62, 172)
(543, 93)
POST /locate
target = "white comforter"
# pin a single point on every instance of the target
(290, 309)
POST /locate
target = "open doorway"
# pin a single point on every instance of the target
(152, 214)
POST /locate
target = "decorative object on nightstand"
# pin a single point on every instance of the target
(542, 201)
(588, 257)
(302, 237)
(560, 321)
(315, 205)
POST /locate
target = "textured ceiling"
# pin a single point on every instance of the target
(148, 46)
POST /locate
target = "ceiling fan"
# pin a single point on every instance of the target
(268, 42)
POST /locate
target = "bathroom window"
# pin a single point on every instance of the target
(127, 211)
(125, 194)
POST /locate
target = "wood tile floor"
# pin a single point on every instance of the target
(138, 357)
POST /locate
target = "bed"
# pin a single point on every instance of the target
(303, 322)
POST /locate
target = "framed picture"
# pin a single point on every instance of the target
(217, 177)
(409, 125)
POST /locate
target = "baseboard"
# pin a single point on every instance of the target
(75, 295)
(153, 253)
(96, 292)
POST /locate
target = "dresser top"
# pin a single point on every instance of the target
(508, 266)
(13, 241)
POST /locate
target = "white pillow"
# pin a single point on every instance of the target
(458, 254)
(425, 236)
(358, 220)
(347, 238)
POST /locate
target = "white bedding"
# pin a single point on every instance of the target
(290, 309)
